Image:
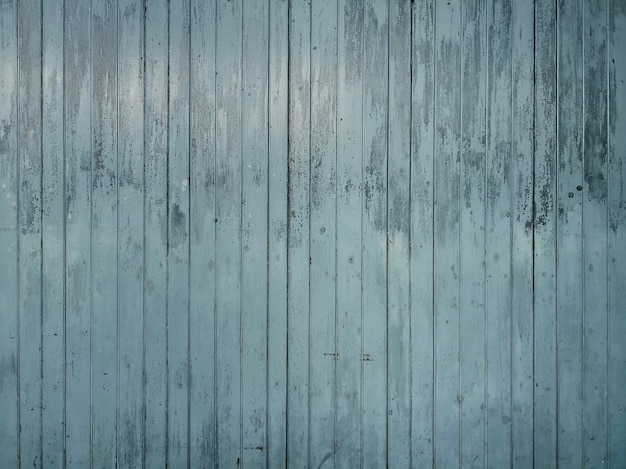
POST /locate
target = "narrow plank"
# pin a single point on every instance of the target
(569, 234)
(545, 400)
(254, 165)
(29, 231)
(178, 237)
(78, 183)
(595, 236)
(348, 249)
(616, 178)
(298, 236)
(523, 33)
(398, 241)
(472, 228)
(104, 318)
(498, 235)
(130, 248)
(374, 234)
(446, 233)
(202, 432)
(323, 230)
(8, 235)
(228, 237)
(156, 118)
(276, 453)
(422, 233)
(53, 283)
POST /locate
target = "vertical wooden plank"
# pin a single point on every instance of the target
(398, 242)
(156, 114)
(348, 249)
(29, 231)
(202, 431)
(447, 235)
(595, 235)
(374, 234)
(178, 237)
(277, 239)
(569, 233)
(323, 229)
(472, 240)
(104, 319)
(53, 284)
(545, 417)
(422, 234)
(254, 148)
(498, 235)
(78, 183)
(523, 36)
(298, 235)
(228, 237)
(617, 233)
(8, 234)
(130, 232)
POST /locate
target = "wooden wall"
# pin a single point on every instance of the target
(312, 233)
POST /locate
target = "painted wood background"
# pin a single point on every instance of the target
(312, 233)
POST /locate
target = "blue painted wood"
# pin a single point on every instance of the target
(103, 336)
(323, 233)
(498, 235)
(53, 239)
(9, 297)
(228, 236)
(374, 234)
(254, 229)
(545, 249)
(277, 208)
(78, 267)
(422, 233)
(29, 205)
(616, 185)
(308, 233)
(570, 277)
(472, 241)
(446, 217)
(298, 236)
(522, 102)
(202, 187)
(155, 232)
(130, 225)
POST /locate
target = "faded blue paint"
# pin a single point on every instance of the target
(311, 233)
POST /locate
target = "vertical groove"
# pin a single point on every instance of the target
(583, 344)
(190, 212)
(310, 131)
(90, 190)
(64, 190)
(215, 357)
(434, 358)
(117, 241)
(608, 238)
(511, 177)
(533, 217)
(167, 245)
(460, 229)
(361, 362)
(242, 82)
(410, 263)
(17, 230)
(486, 219)
(556, 234)
(288, 218)
(387, 241)
(144, 6)
(267, 238)
(336, 292)
(41, 228)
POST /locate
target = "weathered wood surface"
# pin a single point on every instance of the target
(312, 234)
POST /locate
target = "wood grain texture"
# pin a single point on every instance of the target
(312, 234)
